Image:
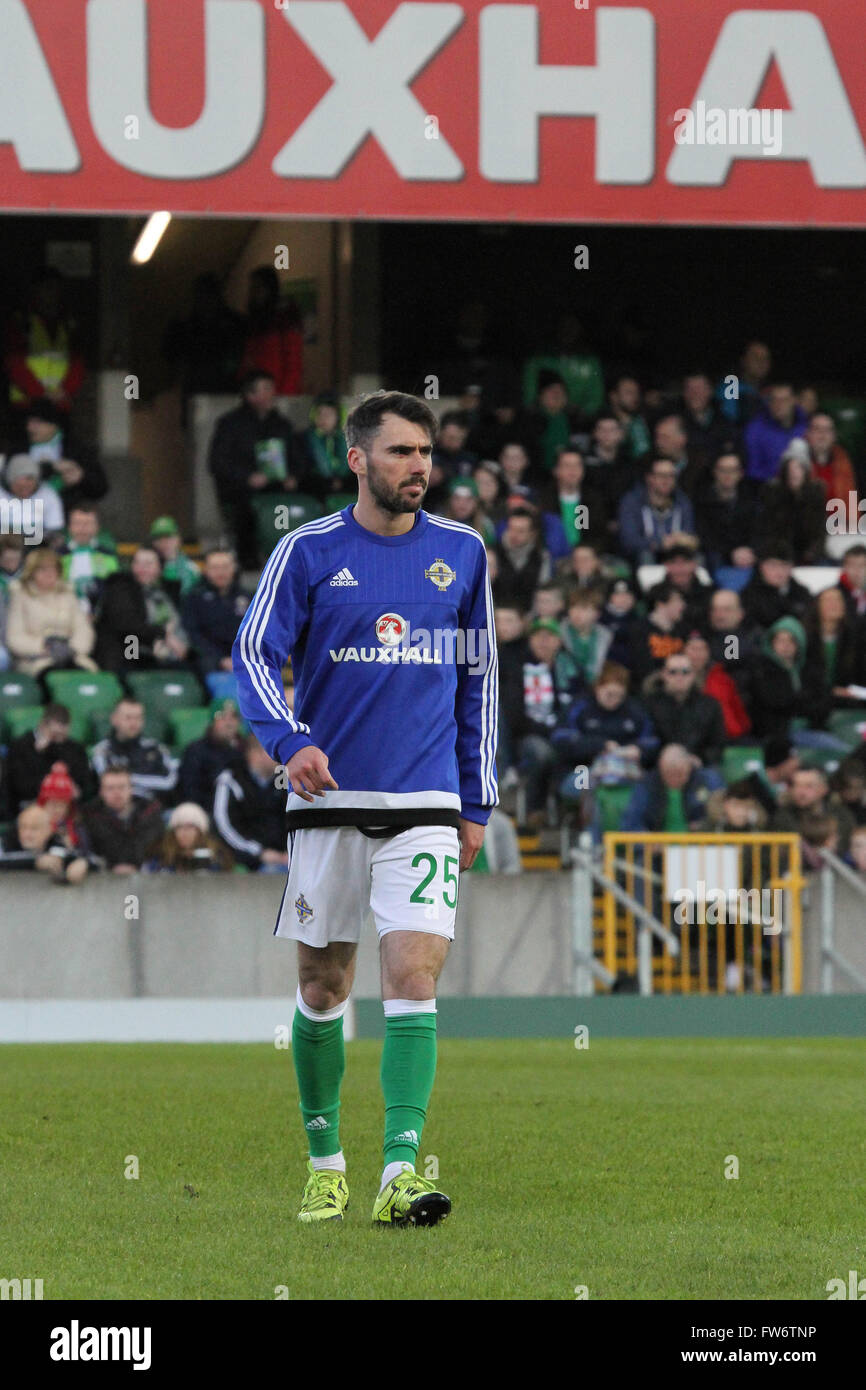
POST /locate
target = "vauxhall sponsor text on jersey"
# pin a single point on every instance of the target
(403, 642)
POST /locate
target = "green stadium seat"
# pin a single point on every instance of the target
(849, 413)
(186, 725)
(741, 761)
(271, 526)
(163, 691)
(849, 725)
(17, 690)
(611, 803)
(84, 691)
(339, 501)
(20, 719)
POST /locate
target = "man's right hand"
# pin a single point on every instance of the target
(308, 773)
(257, 480)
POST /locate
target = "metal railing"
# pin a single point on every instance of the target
(832, 868)
(690, 913)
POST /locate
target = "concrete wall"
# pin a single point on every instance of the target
(849, 937)
(211, 937)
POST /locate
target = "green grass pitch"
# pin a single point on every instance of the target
(602, 1168)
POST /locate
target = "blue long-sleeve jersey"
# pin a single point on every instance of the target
(394, 660)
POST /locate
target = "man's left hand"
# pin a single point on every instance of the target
(471, 837)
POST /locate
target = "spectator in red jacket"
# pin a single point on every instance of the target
(712, 678)
(831, 465)
(274, 337)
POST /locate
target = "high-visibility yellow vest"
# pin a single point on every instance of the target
(47, 358)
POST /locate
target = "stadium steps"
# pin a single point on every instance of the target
(539, 851)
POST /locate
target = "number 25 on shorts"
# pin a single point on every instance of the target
(430, 862)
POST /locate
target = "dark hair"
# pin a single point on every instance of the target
(454, 417)
(84, 506)
(568, 449)
(660, 593)
(267, 275)
(115, 770)
(776, 550)
(365, 421)
(59, 713)
(588, 543)
(249, 379)
(740, 791)
(854, 550)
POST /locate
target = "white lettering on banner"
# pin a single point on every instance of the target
(820, 126)
(234, 107)
(31, 113)
(370, 95)
(516, 89)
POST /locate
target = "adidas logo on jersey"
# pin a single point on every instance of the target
(344, 579)
(409, 1136)
(318, 1123)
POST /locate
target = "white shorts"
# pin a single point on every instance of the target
(337, 875)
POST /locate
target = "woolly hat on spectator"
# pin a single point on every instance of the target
(57, 785)
(188, 813)
(467, 485)
(621, 586)
(164, 526)
(22, 466)
(797, 449)
(46, 410)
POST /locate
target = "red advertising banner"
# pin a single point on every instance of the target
(671, 111)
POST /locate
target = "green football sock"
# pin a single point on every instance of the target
(408, 1070)
(320, 1060)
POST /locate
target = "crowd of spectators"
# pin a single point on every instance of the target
(642, 548)
(653, 635)
(121, 799)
